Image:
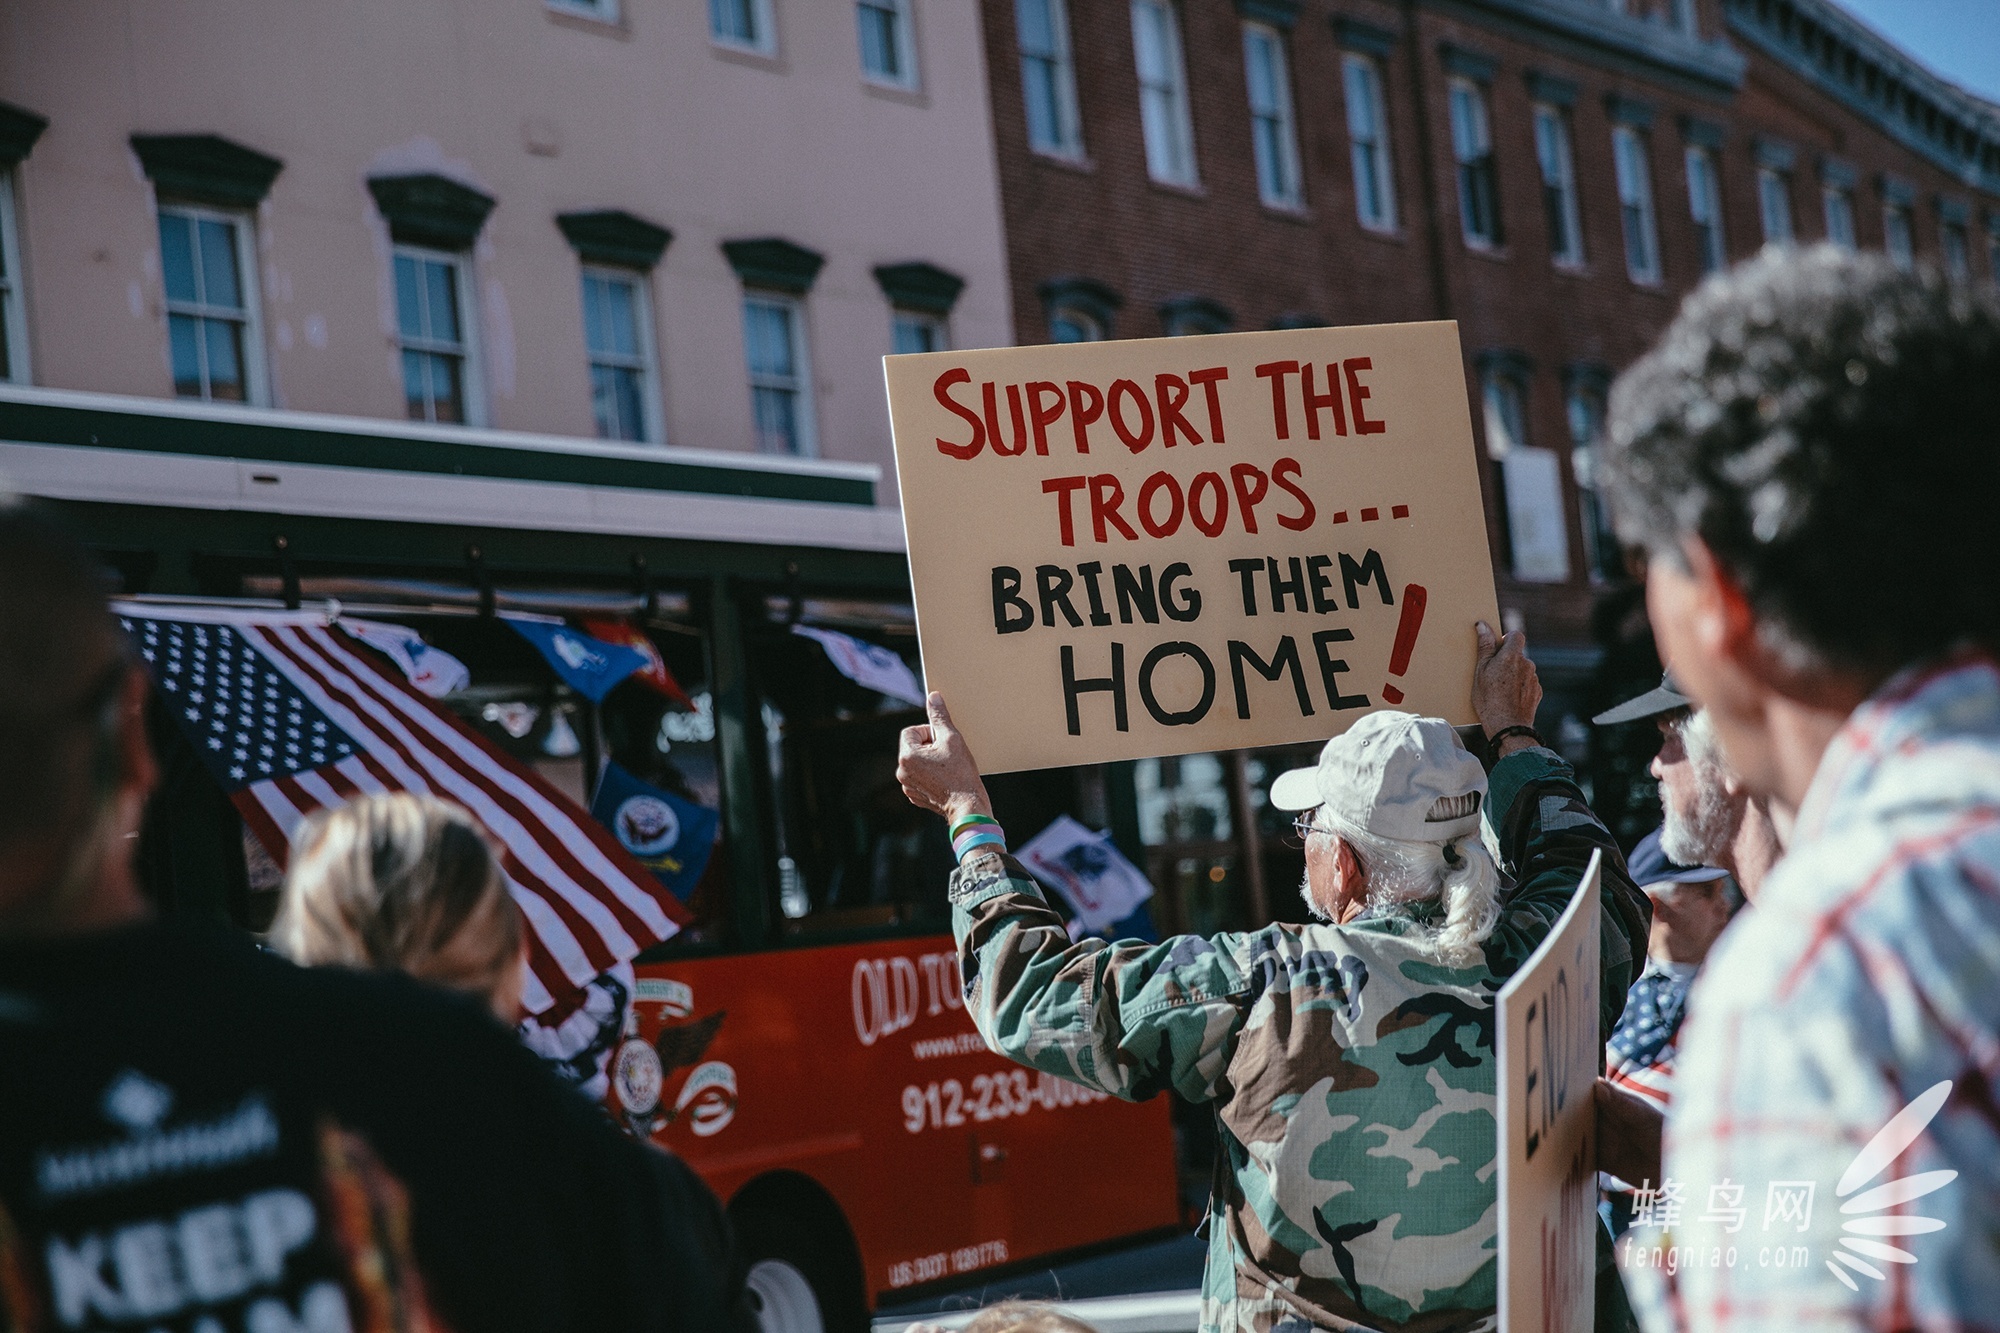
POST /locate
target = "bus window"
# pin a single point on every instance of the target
(661, 732)
(852, 852)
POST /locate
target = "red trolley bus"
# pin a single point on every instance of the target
(815, 1062)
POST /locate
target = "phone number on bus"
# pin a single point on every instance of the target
(946, 1105)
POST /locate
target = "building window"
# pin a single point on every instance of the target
(1478, 183)
(1635, 204)
(1705, 207)
(1530, 482)
(1993, 250)
(433, 319)
(1368, 143)
(1774, 205)
(13, 316)
(1274, 137)
(915, 331)
(1957, 253)
(1163, 96)
(205, 261)
(888, 51)
(745, 24)
(604, 11)
(618, 337)
(1839, 204)
(1552, 150)
(774, 343)
(1585, 410)
(1048, 79)
(1067, 324)
(1896, 237)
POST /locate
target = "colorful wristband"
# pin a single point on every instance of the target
(966, 843)
(964, 822)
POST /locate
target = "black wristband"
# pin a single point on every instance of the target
(1518, 729)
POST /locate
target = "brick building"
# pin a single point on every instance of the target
(1553, 174)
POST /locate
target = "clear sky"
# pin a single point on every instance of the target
(1958, 39)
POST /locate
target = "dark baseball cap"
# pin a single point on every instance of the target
(1666, 699)
(1649, 865)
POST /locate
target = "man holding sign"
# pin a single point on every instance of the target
(1351, 1063)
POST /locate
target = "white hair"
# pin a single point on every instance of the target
(1702, 834)
(1460, 873)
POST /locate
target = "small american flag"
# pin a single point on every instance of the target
(292, 715)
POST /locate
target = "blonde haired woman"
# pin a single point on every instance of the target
(403, 883)
(400, 883)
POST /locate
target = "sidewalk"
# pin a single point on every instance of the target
(1154, 1288)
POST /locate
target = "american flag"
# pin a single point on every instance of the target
(292, 715)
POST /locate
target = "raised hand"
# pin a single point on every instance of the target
(936, 768)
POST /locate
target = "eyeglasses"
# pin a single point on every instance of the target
(1304, 826)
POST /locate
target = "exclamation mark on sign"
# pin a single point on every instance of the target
(1414, 598)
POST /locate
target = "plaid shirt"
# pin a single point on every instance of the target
(1867, 973)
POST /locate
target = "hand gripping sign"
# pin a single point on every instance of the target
(1549, 1060)
(1173, 545)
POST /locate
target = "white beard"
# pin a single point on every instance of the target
(1701, 836)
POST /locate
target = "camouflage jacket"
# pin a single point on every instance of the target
(1352, 1076)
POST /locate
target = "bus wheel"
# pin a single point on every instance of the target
(784, 1298)
(804, 1275)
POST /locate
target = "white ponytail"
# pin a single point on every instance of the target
(1459, 874)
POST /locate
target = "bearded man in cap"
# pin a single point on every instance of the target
(1350, 1063)
(1709, 817)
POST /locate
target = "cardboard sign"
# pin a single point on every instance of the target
(1549, 1061)
(1182, 544)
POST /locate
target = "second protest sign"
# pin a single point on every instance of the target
(1173, 545)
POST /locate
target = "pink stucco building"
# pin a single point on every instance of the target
(654, 220)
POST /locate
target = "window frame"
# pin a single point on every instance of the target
(904, 11)
(1775, 186)
(805, 403)
(1564, 206)
(256, 378)
(1955, 251)
(1830, 196)
(1079, 317)
(1604, 557)
(1704, 182)
(763, 19)
(13, 301)
(471, 377)
(1384, 177)
(903, 316)
(1898, 222)
(1633, 175)
(1493, 378)
(597, 11)
(1178, 122)
(646, 361)
(1281, 117)
(1062, 72)
(1472, 171)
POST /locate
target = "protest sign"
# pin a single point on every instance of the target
(1173, 545)
(1549, 1061)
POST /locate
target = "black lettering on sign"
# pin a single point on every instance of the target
(1331, 667)
(1186, 716)
(1189, 605)
(1286, 658)
(1359, 576)
(1011, 613)
(1113, 684)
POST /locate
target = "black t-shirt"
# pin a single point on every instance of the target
(196, 1137)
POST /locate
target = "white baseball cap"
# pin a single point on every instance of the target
(1395, 775)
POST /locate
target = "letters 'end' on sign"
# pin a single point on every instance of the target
(1171, 545)
(1550, 1056)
